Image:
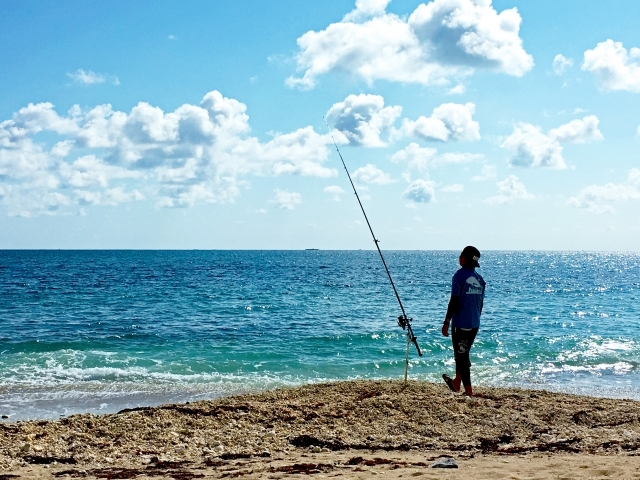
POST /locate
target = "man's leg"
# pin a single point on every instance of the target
(462, 344)
(457, 381)
(463, 365)
(456, 337)
(465, 377)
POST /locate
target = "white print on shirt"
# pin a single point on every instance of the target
(474, 286)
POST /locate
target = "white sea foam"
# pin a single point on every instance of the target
(617, 368)
(597, 347)
(106, 395)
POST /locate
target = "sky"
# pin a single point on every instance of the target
(210, 125)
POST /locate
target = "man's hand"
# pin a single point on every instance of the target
(445, 328)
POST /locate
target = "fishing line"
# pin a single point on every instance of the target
(403, 320)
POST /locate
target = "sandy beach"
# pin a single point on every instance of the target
(359, 429)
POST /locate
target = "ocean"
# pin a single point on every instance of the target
(98, 331)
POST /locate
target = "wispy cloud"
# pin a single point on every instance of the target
(89, 77)
(453, 188)
(597, 198)
(457, 90)
(488, 172)
(561, 64)
(509, 189)
(423, 158)
(285, 199)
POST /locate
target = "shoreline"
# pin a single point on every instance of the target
(333, 422)
(92, 405)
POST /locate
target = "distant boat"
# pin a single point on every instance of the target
(312, 249)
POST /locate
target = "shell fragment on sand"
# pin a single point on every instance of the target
(444, 462)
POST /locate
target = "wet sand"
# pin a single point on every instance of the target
(360, 429)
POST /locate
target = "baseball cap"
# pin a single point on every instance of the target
(471, 255)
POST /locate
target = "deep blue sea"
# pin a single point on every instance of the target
(97, 331)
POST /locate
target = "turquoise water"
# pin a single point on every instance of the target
(97, 331)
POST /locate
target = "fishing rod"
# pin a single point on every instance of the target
(403, 320)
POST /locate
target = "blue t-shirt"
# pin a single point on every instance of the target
(469, 287)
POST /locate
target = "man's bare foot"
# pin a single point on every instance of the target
(456, 383)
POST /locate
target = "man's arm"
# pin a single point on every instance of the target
(452, 309)
(454, 306)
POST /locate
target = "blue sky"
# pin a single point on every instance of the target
(507, 125)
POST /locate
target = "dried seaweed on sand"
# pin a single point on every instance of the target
(344, 416)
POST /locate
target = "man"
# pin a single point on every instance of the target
(463, 313)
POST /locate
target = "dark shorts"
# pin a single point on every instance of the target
(462, 340)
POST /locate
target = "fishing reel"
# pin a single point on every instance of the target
(404, 321)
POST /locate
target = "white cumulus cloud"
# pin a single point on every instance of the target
(35, 118)
(62, 149)
(371, 174)
(415, 157)
(89, 171)
(439, 41)
(509, 189)
(420, 191)
(614, 67)
(366, 9)
(448, 122)
(578, 131)
(597, 198)
(561, 64)
(533, 148)
(196, 153)
(363, 118)
(335, 191)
